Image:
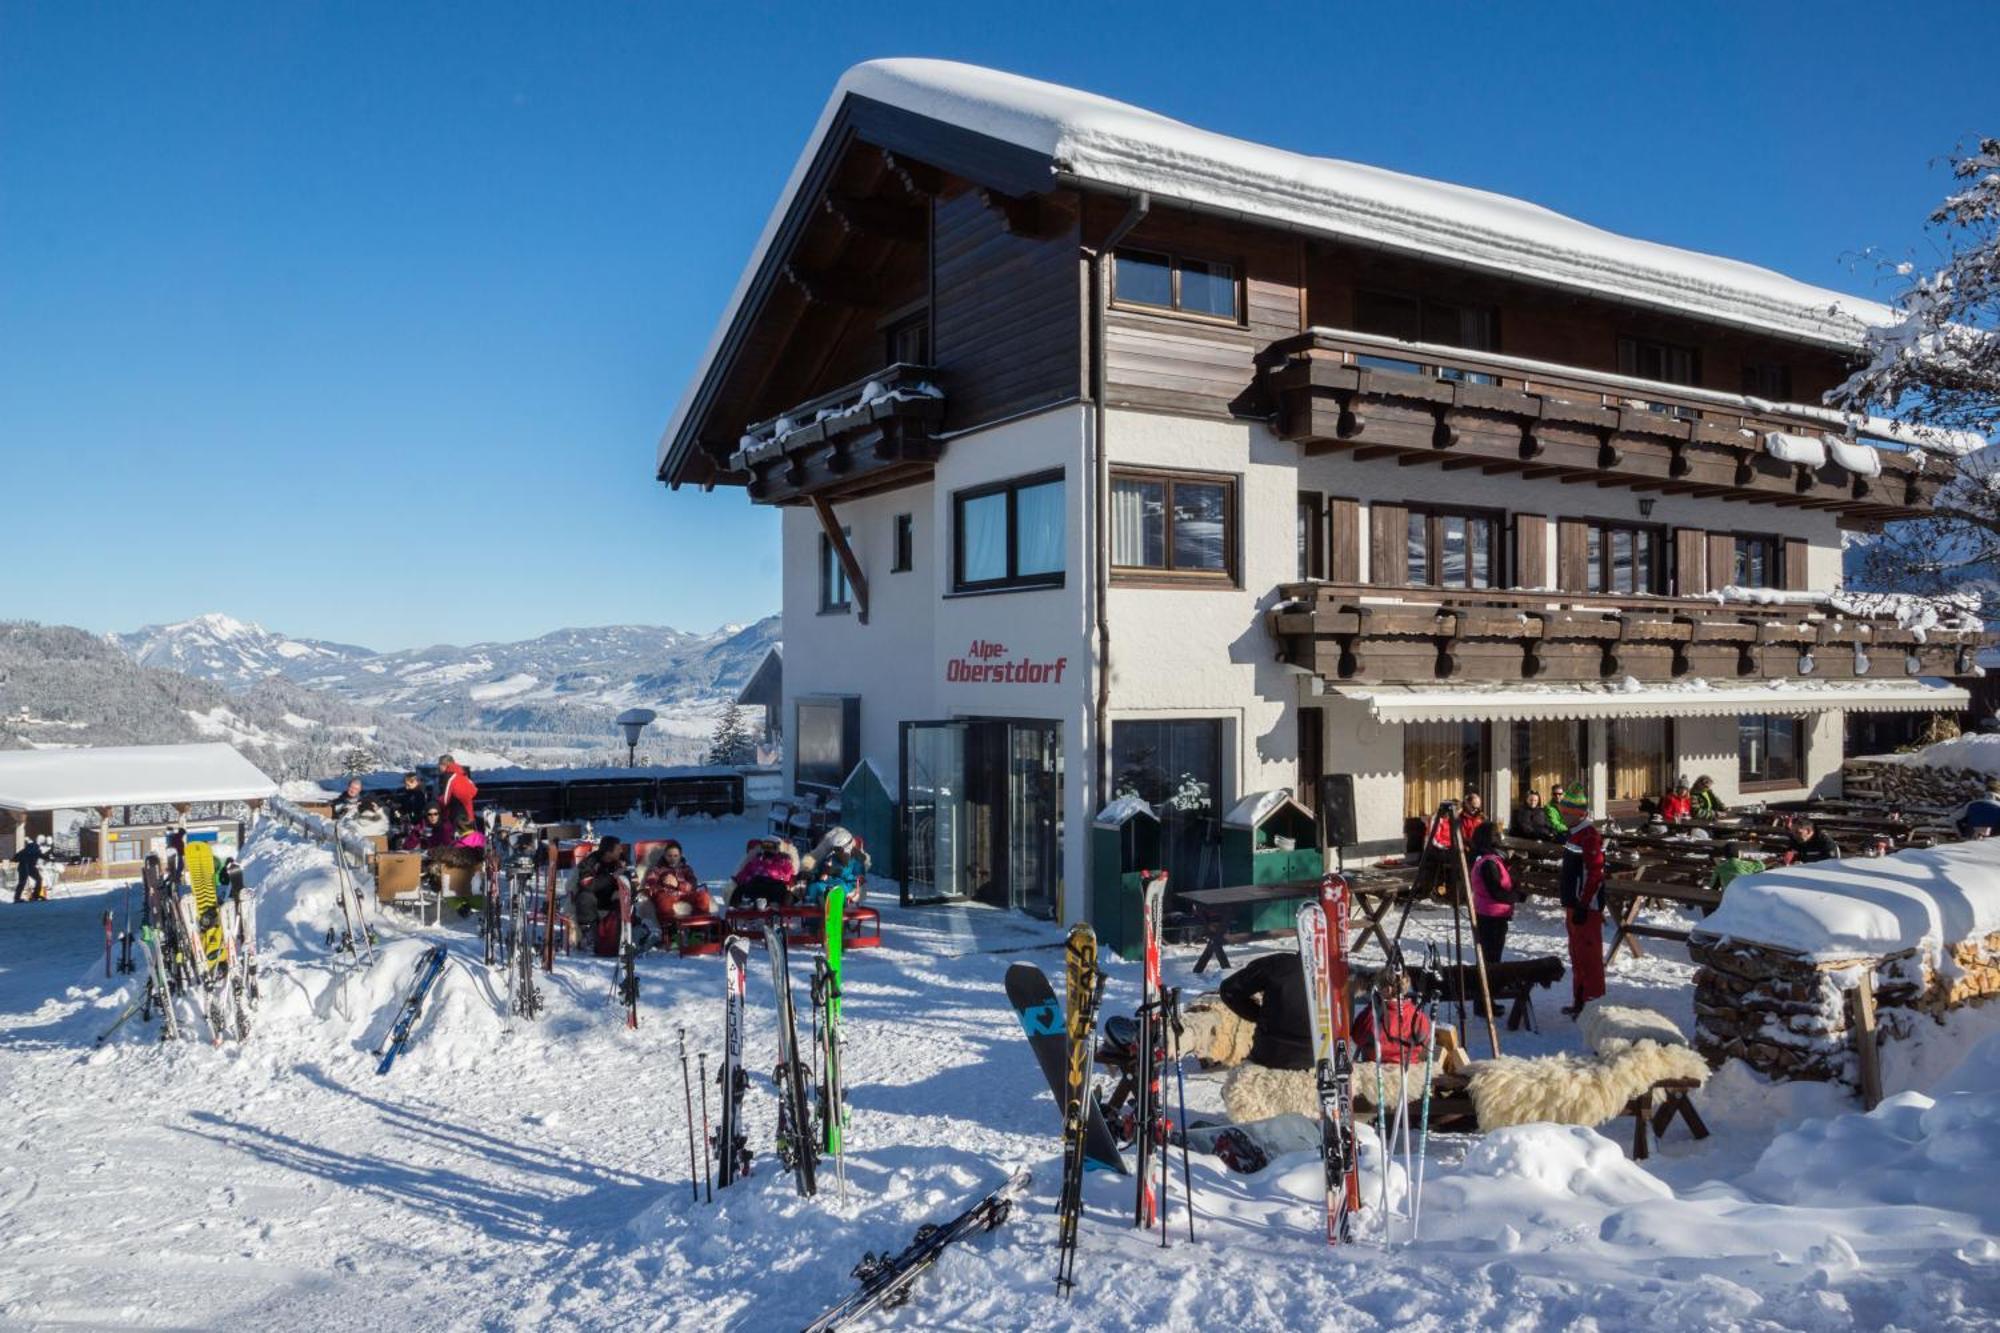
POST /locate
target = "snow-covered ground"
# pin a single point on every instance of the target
(530, 1175)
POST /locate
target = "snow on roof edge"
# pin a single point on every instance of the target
(90, 776)
(1094, 139)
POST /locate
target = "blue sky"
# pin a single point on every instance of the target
(363, 320)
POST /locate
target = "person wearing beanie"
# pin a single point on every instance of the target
(1581, 881)
(1981, 817)
(597, 877)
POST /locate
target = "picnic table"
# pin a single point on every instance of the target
(1372, 892)
(1623, 898)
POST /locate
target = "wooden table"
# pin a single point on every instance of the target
(1623, 898)
(1216, 906)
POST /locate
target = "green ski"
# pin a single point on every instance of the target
(826, 999)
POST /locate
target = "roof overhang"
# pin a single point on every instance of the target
(1472, 703)
(92, 778)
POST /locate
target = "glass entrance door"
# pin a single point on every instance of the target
(935, 813)
(1034, 815)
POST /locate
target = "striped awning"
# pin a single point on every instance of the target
(1699, 698)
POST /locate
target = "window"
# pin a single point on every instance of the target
(909, 340)
(1420, 319)
(1768, 751)
(827, 737)
(1175, 766)
(1647, 359)
(1639, 759)
(1175, 282)
(1170, 523)
(1009, 535)
(1312, 535)
(1756, 563)
(834, 594)
(1440, 761)
(903, 558)
(1453, 549)
(1549, 755)
(1626, 559)
(1768, 379)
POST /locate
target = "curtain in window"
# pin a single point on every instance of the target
(1548, 753)
(1138, 524)
(1640, 758)
(1039, 542)
(1440, 760)
(982, 534)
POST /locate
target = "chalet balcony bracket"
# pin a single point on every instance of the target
(1531, 661)
(1352, 664)
(1803, 478)
(1447, 659)
(1443, 434)
(1862, 488)
(1610, 664)
(1532, 446)
(1609, 455)
(1678, 463)
(1746, 472)
(857, 582)
(1348, 425)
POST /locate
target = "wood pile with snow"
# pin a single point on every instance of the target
(1937, 786)
(1777, 961)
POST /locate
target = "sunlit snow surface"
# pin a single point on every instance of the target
(538, 1177)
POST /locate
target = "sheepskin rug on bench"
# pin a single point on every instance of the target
(1632, 1050)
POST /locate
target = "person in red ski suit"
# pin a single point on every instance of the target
(1582, 886)
(1403, 1029)
(1677, 807)
(671, 885)
(457, 791)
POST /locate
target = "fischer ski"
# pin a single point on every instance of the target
(796, 1146)
(886, 1279)
(1148, 1117)
(1323, 957)
(429, 967)
(731, 1143)
(1085, 985)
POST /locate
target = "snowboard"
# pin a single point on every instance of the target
(1041, 1015)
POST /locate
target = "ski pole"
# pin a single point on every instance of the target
(1381, 1111)
(1424, 1116)
(1180, 1081)
(107, 943)
(687, 1096)
(707, 1177)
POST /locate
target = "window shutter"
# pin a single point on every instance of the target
(1690, 562)
(1531, 551)
(1795, 564)
(1343, 561)
(1573, 555)
(1388, 545)
(1721, 560)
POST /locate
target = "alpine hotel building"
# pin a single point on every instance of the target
(1116, 456)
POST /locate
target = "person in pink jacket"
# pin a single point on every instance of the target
(769, 869)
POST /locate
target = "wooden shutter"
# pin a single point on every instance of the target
(1573, 555)
(1343, 558)
(1721, 560)
(1531, 551)
(1690, 562)
(1388, 545)
(1795, 564)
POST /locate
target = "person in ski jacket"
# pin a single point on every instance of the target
(1531, 822)
(1393, 1030)
(597, 877)
(1269, 993)
(457, 789)
(1707, 805)
(1493, 896)
(1810, 843)
(433, 830)
(348, 804)
(1581, 881)
(410, 802)
(769, 869)
(1732, 865)
(1678, 805)
(672, 887)
(27, 870)
(1557, 824)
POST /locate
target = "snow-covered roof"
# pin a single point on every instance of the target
(1687, 698)
(1865, 907)
(1122, 809)
(86, 778)
(1093, 141)
(1257, 807)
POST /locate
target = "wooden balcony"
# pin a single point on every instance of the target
(1459, 409)
(872, 435)
(1344, 632)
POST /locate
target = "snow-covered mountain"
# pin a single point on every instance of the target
(229, 651)
(555, 695)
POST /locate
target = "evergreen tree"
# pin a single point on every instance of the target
(732, 745)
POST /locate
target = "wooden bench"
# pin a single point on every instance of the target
(1673, 1101)
(1512, 981)
(1624, 897)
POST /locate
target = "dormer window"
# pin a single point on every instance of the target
(1184, 285)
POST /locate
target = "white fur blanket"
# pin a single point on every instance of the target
(1603, 1024)
(1573, 1089)
(1254, 1092)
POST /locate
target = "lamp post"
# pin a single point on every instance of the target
(634, 721)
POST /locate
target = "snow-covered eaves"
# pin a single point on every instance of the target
(1093, 142)
(1690, 698)
(1259, 806)
(89, 778)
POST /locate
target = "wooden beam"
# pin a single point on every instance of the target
(1020, 216)
(856, 580)
(835, 287)
(877, 217)
(917, 177)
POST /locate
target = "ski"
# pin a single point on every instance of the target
(429, 967)
(1149, 1206)
(246, 927)
(1041, 1017)
(731, 1143)
(886, 1279)
(796, 1148)
(1085, 985)
(628, 957)
(527, 998)
(828, 996)
(1333, 893)
(158, 985)
(1320, 948)
(126, 938)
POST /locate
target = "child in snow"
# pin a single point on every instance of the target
(769, 868)
(1394, 1030)
(672, 888)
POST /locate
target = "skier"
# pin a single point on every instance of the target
(1493, 895)
(1810, 843)
(842, 865)
(769, 867)
(410, 803)
(1582, 886)
(1403, 1028)
(458, 789)
(348, 804)
(1707, 805)
(28, 866)
(672, 887)
(1677, 807)
(597, 878)
(1269, 993)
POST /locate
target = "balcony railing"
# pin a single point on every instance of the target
(1349, 632)
(875, 433)
(1379, 397)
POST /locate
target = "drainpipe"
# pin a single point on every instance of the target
(1100, 298)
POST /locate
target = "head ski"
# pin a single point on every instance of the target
(428, 969)
(731, 1143)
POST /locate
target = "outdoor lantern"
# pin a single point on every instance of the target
(1912, 664)
(634, 721)
(1860, 659)
(1806, 662)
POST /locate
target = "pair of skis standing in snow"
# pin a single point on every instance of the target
(195, 945)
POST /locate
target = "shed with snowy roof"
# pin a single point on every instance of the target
(1124, 842)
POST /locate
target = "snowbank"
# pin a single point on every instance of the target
(1978, 752)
